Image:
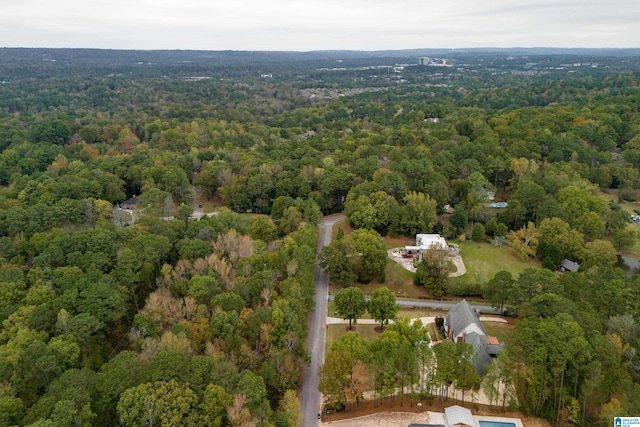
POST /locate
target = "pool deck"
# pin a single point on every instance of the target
(516, 421)
(403, 419)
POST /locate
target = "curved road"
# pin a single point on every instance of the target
(310, 396)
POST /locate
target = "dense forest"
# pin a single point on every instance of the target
(155, 318)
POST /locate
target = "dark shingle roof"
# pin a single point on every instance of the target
(569, 265)
(481, 357)
(460, 316)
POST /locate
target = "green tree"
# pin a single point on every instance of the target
(11, 410)
(354, 344)
(477, 232)
(598, 253)
(113, 379)
(557, 240)
(226, 326)
(334, 377)
(215, 401)
(253, 386)
(159, 403)
(350, 303)
(417, 215)
(498, 290)
(339, 259)
(262, 228)
(290, 407)
(375, 211)
(446, 360)
(371, 253)
(432, 271)
(466, 376)
(382, 305)
(290, 221)
(459, 218)
(184, 214)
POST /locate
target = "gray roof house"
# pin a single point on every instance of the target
(130, 203)
(461, 323)
(568, 265)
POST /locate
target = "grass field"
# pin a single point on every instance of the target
(368, 332)
(334, 332)
(502, 331)
(628, 207)
(484, 260)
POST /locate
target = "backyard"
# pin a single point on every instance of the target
(368, 331)
(484, 260)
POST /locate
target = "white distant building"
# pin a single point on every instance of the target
(424, 242)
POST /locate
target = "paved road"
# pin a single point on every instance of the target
(443, 305)
(310, 396)
(437, 305)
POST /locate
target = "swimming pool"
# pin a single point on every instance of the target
(498, 205)
(495, 424)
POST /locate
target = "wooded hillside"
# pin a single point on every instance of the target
(109, 319)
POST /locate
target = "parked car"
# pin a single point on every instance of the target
(407, 255)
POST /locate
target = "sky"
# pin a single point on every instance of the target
(306, 25)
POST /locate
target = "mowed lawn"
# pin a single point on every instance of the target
(484, 260)
(369, 332)
(502, 331)
(629, 208)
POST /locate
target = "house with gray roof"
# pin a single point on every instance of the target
(462, 324)
(568, 265)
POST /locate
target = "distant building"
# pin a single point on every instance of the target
(75, 139)
(306, 135)
(424, 242)
(130, 203)
(568, 265)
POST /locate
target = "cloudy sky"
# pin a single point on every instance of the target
(305, 25)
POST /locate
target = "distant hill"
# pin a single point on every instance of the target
(232, 57)
(17, 63)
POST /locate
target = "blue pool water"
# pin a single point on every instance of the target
(495, 424)
(498, 205)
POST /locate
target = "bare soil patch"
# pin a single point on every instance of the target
(435, 405)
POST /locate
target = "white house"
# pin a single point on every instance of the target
(424, 242)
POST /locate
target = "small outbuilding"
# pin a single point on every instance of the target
(568, 265)
(459, 416)
(130, 203)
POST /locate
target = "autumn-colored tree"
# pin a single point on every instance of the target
(524, 241)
